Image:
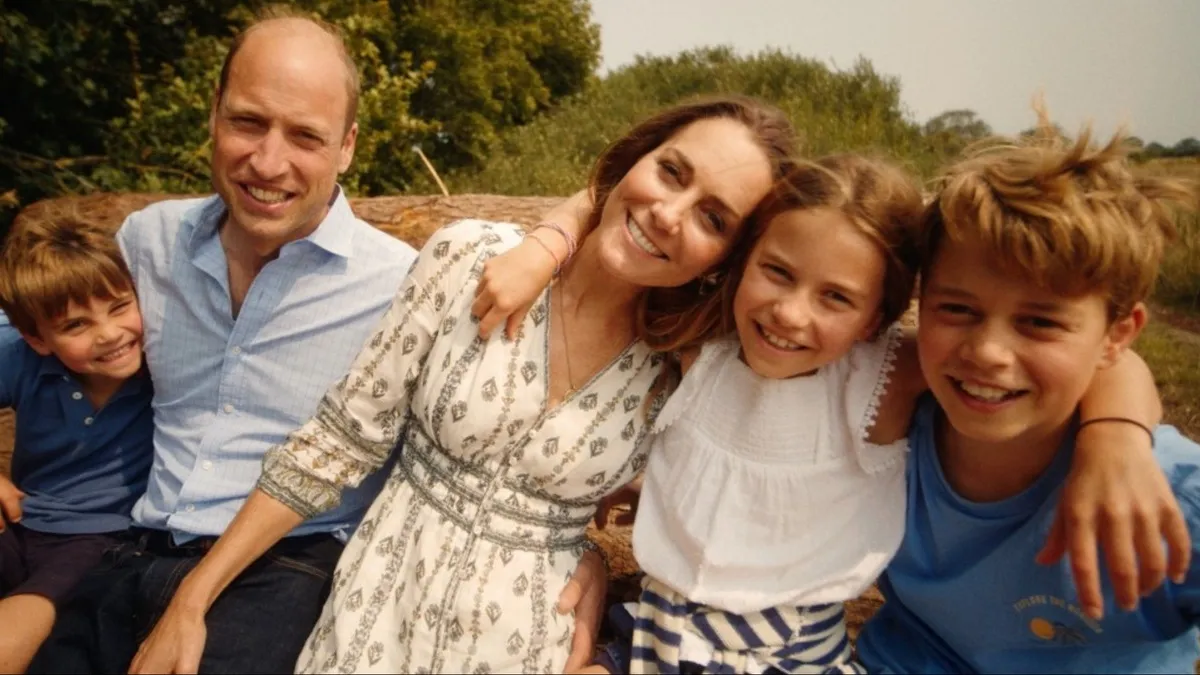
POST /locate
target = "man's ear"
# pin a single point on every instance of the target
(1123, 332)
(37, 344)
(346, 152)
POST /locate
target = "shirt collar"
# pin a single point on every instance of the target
(334, 235)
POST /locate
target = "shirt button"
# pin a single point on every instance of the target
(76, 395)
(87, 421)
(228, 407)
(236, 350)
(207, 465)
(190, 507)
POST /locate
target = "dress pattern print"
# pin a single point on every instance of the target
(458, 564)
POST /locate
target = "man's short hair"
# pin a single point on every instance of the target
(1072, 217)
(54, 255)
(273, 12)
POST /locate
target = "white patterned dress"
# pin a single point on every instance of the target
(458, 564)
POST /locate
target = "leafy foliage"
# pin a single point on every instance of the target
(855, 109)
(115, 94)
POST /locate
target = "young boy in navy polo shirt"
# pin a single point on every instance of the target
(71, 367)
(1037, 260)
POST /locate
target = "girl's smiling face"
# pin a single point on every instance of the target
(811, 289)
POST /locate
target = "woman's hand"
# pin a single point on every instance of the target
(1117, 497)
(512, 281)
(624, 500)
(584, 594)
(176, 643)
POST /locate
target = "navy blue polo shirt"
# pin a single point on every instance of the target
(80, 468)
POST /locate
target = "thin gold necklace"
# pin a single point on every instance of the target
(562, 306)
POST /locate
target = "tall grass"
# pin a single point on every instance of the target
(1179, 278)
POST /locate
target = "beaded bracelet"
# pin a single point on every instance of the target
(567, 236)
(546, 247)
(1125, 420)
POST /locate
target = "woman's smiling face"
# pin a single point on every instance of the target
(678, 210)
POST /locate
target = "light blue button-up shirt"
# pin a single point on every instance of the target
(227, 390)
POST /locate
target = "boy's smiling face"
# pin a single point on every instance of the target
(1006, 359)
(100, 342)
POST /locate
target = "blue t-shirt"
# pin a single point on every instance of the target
(81, 469)
(965, 595)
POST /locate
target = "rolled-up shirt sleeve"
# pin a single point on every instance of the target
(360, 419)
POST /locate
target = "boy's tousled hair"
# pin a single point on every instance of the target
(673, 318)
(881, 200)
(1068, 215)
(55, 255)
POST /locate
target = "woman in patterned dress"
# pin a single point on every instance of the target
(508, 444)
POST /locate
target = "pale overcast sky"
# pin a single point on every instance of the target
(1111, 61)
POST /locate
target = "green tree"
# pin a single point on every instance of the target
(952, 131)
(114, 94)
(1188, 147)
(854, 109)
(495, 65)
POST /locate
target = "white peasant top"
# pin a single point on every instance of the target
(761, 493)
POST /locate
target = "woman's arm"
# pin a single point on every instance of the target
(177, 641)
(354, 430)
(513, 280)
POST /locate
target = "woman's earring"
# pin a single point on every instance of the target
(709, 281)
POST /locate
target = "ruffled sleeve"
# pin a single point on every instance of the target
(684, 395)
(870, 366)
(360, 418)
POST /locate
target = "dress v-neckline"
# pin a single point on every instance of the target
(547, 335)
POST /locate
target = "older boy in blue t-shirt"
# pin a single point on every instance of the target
(1037, 260)
(71, 366)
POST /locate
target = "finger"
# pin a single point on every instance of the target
(1056, 543)
(10, 504)
(189, 657)
(1151, 556)
(601, 517)
(570, 595)
(1118, 543)
(142, 661)
(488, 323)
(1179, 545)
(481, 304)
(581, 652)
(1081, 538)
(515, 321)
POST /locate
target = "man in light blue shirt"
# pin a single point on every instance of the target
(255, 301)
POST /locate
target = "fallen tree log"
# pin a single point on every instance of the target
(412, 219)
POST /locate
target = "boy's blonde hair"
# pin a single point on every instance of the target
(52, 256)
(1072, 217)
(879, 198)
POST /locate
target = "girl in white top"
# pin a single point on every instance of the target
(775, 489)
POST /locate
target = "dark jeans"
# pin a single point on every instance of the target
(258, 625)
